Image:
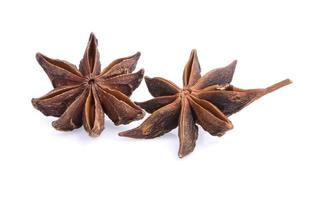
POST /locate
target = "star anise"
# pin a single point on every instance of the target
(206, 100)
(82, 96)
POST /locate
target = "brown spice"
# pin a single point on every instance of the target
(207, 101)
(82, 96)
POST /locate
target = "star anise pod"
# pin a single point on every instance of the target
(206, 100)
(82, 96)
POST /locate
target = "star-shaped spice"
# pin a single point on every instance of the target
(82, 96)
(206, 100)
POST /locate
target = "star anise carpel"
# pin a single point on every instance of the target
(82, 95)
(204, 100)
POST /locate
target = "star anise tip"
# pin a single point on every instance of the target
(141, 71)
(124, 133)
(140, 115)
(137, 55)
(39, 56)
(133, 133)
(183, 153)
(92, 36)
(229, 125)
(95, 134)
(57, 126)
(233, 64)
(34, 102)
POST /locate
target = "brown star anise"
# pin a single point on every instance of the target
(207, 101)
(82, 96)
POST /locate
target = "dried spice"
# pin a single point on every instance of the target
(82, 96)
(206, 100)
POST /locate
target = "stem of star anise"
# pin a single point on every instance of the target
(278, 85)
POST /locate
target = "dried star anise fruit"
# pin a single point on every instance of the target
(82, 96)
(206, 100)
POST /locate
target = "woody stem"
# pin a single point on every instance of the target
(278, 85)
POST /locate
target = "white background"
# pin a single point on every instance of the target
(274, 151)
